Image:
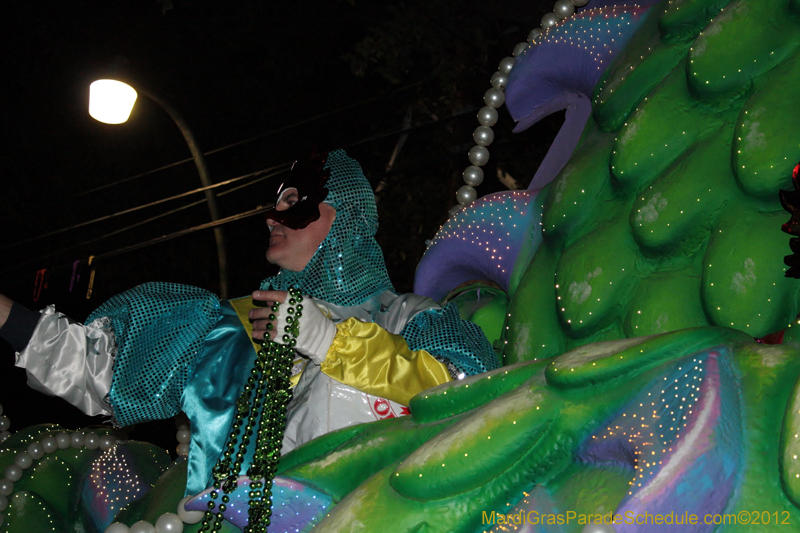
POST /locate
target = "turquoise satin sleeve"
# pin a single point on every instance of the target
(159, 331)
(210, 395)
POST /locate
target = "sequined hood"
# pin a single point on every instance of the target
(348, 266)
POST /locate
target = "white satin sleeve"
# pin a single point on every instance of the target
(70, 360)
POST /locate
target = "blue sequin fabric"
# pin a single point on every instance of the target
(347, 268)
(443, 334)
(160, 329)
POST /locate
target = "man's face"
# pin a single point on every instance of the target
(292, 249)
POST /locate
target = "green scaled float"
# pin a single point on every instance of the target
(633, 279)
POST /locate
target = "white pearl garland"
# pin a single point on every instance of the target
(184, 434)
(495, 97)
(189, 517)
(5, 423)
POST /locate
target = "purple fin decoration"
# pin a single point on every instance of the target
(480, 242)
(561, 70)
(679, 436)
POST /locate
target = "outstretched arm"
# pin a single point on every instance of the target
(124, 338)
(17, 323)
(53, 351)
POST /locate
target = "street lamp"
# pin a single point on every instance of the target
(111, 102)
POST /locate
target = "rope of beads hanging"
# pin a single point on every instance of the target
(495, 97)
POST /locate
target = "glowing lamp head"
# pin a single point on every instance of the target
(111, 101)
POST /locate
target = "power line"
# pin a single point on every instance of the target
(404, 129)
(323, 115)
(130, 178)
(161, 215)
(282, 167)
(137, 246)
(222, 148)
(187, 231)
(272, 172)
(180, 233)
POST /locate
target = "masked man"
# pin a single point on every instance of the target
(161, 348)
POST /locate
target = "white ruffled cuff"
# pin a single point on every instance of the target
(316, 331)
(72, 361)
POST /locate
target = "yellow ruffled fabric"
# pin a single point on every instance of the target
(367, 357)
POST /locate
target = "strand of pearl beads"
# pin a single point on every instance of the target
(36, 450)
(495, 97)
(184, 435)
(166, 523)
(5, 424)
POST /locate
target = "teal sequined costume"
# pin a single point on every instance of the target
(348, 269)
(348, 266)
(182, 349)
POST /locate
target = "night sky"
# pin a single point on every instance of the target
(260, 83)
(247, 74)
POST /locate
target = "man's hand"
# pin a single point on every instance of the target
(260, 316)
(316, 330)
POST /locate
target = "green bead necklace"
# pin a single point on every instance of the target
(261, 408)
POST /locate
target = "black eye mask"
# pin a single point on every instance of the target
(309, 178)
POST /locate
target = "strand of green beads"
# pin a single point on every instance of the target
(260, 511)
(256, 513)
(272, 437)
(265, 395)
(222, 470)
(252, 408)
(273, 423)
(247, 405)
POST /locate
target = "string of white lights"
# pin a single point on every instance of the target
(108, 460)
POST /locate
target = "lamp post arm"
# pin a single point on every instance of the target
(211, 197)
